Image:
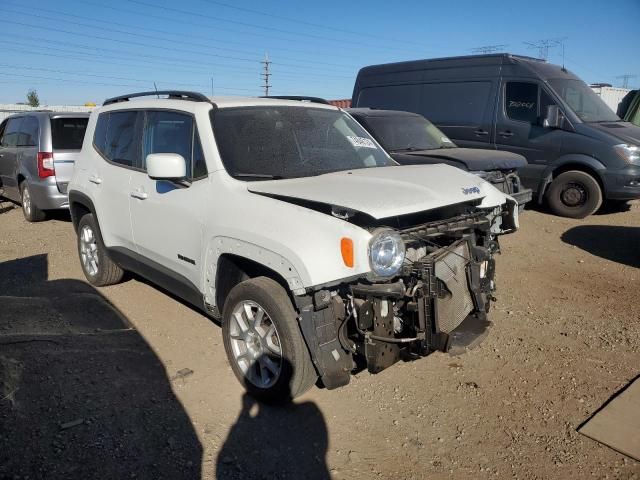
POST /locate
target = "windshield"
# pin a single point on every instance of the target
(588, 106)
(407, 132)
(288, 142)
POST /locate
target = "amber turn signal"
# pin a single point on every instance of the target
(346, 248)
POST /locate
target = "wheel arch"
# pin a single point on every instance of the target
(582, 163)
(230, 261)
(79, 205)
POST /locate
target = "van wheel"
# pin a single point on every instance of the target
(263, 341)
(30, 210)
(574, 194)
(98, 268)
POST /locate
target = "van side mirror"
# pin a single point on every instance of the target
(171, 167)
(553, 117)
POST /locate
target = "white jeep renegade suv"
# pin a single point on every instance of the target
(289, 222)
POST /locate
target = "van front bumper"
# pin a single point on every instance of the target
(622, 184)
(46, 196)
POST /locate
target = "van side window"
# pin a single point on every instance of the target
(11, 132)
(120, 144)
(29, 132)
(521, 101)
(167, 132)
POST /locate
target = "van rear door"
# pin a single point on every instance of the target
(67, 135)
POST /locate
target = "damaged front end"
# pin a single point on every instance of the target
(438, 298)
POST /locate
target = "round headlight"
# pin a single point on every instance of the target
(386, 253)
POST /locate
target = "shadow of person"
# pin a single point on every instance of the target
(615, 243)
(82, 395)
(268, 441)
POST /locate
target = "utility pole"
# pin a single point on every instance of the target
(212, 86)
(485, 49)
(625, 79)
(544, 45)
(266, 74)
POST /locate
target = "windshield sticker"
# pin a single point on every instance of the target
(527, 105)
(362, 142)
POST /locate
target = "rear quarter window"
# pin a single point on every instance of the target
(116, 137)
(68, 133)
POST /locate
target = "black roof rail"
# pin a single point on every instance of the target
(172, 94)
(300, 98)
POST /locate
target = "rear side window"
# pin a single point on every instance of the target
(115, 138)
(11, 132)
(521, 101)
(68, 133)
(28, 135)
(451, 103)
(173, 132)
(392, 97)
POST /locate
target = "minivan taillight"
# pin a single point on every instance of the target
(45, 165)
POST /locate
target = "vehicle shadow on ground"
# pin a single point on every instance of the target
(82, 395)
(615, 243)
(275, 441)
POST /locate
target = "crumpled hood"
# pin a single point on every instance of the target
(471, 159)
(387, 191)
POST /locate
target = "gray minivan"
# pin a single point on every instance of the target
(578, 151)
(37, 154)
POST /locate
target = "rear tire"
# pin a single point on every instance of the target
(264, 343)
(574, 194)
(30, 210)
(98, 268)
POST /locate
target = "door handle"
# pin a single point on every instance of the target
(95, 179)
(139, 195)
(481, 132)
(506, 134)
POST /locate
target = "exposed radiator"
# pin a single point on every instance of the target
(451, 268)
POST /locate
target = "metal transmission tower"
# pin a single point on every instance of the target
(543, 46)
(266, 74)
(625, 79)
(489, 49)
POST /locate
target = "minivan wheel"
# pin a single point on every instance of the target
(98, 268)
(574, 194)
(263, 341)
(30, 210)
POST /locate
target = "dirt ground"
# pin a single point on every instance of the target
(127, 382)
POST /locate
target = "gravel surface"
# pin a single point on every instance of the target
(128, 382)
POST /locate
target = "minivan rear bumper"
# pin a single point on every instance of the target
(46, 196)
(622, 184)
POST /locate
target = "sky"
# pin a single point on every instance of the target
(77, 51)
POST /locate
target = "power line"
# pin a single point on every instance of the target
(265, 74)
(162, 38)
(163, 31)
(485, 49)
(312, 24)
(625, 79)
(253, 25)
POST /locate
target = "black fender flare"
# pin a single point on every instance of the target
(81, 199)
(588, 163)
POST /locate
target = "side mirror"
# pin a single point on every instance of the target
(553, 117)
(167, 166)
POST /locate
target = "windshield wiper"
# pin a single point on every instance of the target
(408, 149)
(264, 176)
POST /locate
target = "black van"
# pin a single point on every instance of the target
(578, 151)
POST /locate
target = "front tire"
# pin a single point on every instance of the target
(574, 194)
(30, 210)
(263, 341)
(98, 268)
